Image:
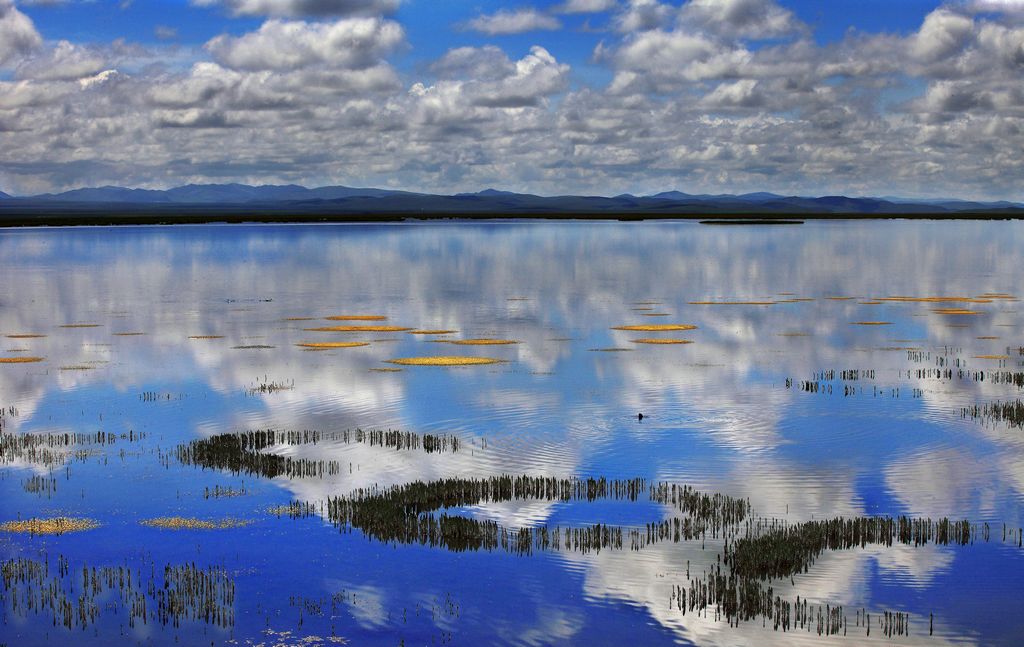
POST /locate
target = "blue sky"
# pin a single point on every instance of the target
(867, 97)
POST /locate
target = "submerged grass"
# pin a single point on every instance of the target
(190, 523)
(333, 344)
(51, 526)
(25, 336)
(357, 318)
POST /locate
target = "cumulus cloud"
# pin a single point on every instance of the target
(298, 8)
(757, 19)
(18, 35)
(290, 45)
(513, 22)
(585, 6)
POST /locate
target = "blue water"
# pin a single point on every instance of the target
(724, 414)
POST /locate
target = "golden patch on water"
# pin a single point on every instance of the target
(903, 299)
(732, 303)
(357, 318)
(206, 337)
(20, 360)
(387, 369)
(956, 311)
(128, 334)
(996, 295)
(189, 523)
(53, 526)
(991, 357)
(661, 341)
(432, 332)
(870, 303)
(359, 329)
(871, 323)
(324, 345)
(656, 327)
(444, 360)
(80, 325)
(642, 309)
(481, 342)
(25, 336)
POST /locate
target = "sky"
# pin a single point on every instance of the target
(908, 98)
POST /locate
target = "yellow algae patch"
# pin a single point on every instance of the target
(188, 523)
(991, 357)
(870, 303)
(357, 318)
(80, 326)
(333, 344)
(732, 303)
(359, 329)
(956, 311)
(871, 323)
(20, 360)
(661, 341)
(935, 299)
(432, 332)
(481, 342)
(206, 337)
(25, 336)
(656, 327)
(54, 526)
(444, 360)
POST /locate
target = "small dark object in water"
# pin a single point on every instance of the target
(640, 417)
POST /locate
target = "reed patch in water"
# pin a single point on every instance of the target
(439, 331)
(333, 344)
(871, 323)
(206, 337)
(25, 336)
(81, 325)
(20, 360)
(481, 342)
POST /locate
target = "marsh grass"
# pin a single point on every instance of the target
(190, 523)
(359, 329)
(326, 345)
(661, 341)
(20, 360)
(656, 327)
(357, 318)
(481, 342)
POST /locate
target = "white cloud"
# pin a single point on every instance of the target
(756, 19)
(513, 22)
(18, 34)
(298, 8)
(585, 6)
(290, 45)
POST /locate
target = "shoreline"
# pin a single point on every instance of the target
(116, 217)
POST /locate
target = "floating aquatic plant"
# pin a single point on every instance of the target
(656, 327)
(358, 329)
(661, 341)
(20, 360)
(333, 344)
(189, 523)
(51, 526)
(445, 360)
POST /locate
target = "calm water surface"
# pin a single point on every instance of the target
(757, 407)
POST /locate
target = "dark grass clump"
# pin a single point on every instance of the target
(245, 452)
(1009, 413)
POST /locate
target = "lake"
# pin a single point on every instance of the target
(188, 457)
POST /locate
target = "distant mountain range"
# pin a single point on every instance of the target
(341, 201)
